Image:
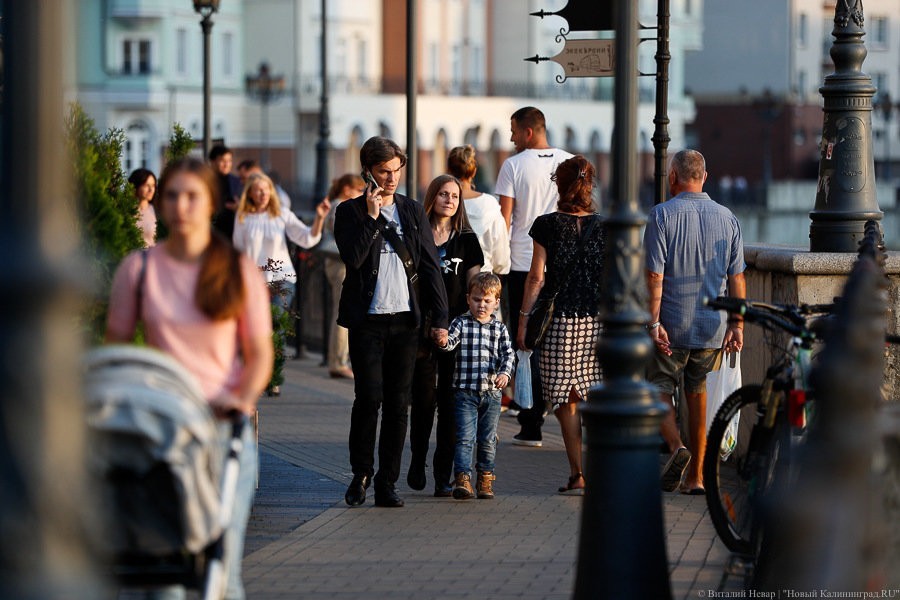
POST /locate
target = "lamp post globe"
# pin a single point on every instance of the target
(205, 8)
(266, 88)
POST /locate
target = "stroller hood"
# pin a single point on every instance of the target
(154, 449)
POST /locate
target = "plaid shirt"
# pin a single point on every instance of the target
(485, 351)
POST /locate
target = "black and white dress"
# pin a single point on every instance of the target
(567, 355)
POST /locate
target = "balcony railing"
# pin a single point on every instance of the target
(573, 89)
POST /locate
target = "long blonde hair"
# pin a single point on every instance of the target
(246, 206)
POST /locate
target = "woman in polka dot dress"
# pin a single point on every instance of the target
(568, 363)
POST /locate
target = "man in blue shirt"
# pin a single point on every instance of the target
(694, 251)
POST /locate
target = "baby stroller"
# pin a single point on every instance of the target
(162, 481)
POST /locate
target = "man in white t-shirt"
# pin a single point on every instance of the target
(527, 192)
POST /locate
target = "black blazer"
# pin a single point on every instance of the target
(358, 239)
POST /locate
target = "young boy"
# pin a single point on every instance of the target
(484, 364)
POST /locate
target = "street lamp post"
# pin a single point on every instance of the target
(206, 8)
(769, 109)
(266, 88)
(845, 196)
(324, 144)
(883, 105)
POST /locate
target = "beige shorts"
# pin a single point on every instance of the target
(664, 371)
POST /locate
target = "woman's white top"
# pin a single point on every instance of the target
(262, 236)
(489, 225)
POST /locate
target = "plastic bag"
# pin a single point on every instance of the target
(719, 385)
(523, 379)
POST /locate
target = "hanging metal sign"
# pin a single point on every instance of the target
(584, 15)
(587, 58)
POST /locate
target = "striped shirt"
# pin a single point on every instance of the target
(485, 351)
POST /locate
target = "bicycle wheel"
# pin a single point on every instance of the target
(732, 479)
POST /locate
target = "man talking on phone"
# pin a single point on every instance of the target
(393, 278)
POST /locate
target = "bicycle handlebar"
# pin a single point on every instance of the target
(786, 317)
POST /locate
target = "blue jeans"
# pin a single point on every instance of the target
(477, 416)
(234, 535)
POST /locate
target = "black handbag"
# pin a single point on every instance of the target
(541, 314)
(539, 320)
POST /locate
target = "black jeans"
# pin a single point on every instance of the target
(532, 419)
(382, 352)
(432, 389)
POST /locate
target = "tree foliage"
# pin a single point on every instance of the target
(106, 205)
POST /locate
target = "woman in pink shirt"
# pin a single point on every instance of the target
(207, 305)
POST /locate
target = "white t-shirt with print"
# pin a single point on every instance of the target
(391, 292)
(526, 177)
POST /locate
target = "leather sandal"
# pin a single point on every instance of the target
(569, 489)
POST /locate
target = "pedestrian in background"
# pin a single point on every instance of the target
(526, 192)
(343, 188)
(260, 230)
(206, 305)
(460, 259)
(248, 167)
(484, 363)
(483, 211)
(144, 182)
(393, 278)
(222, 160)
(567, 263)
(694, 250)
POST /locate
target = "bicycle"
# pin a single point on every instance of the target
(737, 473)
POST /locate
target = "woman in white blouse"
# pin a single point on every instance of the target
(260, 229)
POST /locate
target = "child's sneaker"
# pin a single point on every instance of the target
(485, 485)
(462, 487)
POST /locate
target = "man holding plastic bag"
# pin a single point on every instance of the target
(694, 250)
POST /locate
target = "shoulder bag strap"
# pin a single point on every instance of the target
(393, 238)
(139, 289)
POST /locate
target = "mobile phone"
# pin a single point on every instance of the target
(371, 179)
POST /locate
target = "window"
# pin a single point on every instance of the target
(803, 30)
(880, 31)
(136, 57)
(435, 60)
(362, 57)
(228, 54)
(880, 81)
(801, 84)
(477, 67)
(181, 51)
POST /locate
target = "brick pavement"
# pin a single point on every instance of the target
(303, 542)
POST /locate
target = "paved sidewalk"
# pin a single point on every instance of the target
(303, 542)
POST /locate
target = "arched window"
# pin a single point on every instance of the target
(351, 156)
(440, 154)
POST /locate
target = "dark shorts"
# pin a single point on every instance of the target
(663, 371)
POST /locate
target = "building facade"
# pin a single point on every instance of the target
(140, 69)
(760, 117)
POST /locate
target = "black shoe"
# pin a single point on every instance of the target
(387, 497)
(443, 491)
(415, 478)
(356, 491)
(443, 486)
(532, 440)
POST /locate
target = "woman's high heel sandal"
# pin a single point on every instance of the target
(571, 489)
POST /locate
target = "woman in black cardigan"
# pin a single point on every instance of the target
(393, 278)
